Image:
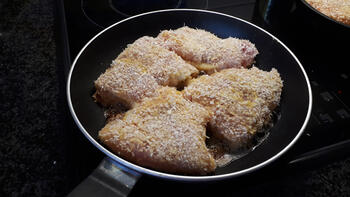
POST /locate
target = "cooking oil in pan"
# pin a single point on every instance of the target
(224, 156)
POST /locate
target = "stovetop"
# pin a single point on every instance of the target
(327, 135)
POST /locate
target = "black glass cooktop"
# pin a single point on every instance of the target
(106, 12)
(327, 135)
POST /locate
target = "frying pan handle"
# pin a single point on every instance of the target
(107, 180)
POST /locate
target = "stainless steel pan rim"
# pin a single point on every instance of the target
(183, 177)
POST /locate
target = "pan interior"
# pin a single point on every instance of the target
(98, 54)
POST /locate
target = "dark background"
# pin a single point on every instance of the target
(36, 155)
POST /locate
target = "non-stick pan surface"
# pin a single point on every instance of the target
(96, 56)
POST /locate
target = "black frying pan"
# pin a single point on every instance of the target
(319, 19)
(325, 35)
(99, 52)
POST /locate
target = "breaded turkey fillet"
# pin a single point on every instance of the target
(165, 66)
(126, 82)
(241, 101)
(208, 52)
(165, 133)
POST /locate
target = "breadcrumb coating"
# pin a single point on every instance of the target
(338, 10)
(165, 129)
(208, 52)
(126, 82)
(241, 101)
(165, 133)
(165, 66)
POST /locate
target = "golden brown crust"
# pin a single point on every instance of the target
(165, 133)
(241, 101)
(208, 52)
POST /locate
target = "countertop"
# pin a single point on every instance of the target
(35, 154)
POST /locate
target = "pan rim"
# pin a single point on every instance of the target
(144, 170)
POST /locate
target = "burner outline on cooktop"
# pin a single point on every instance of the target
(111, 4)
(104, 13)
